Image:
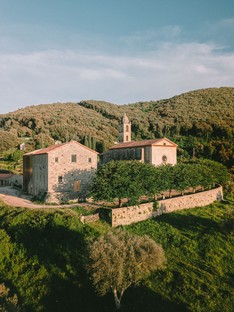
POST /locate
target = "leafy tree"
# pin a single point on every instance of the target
(118, 260)
(181, 177)
(14, 155)
(8, 140)
(219, 171)
(8, 303)
(165, 176)
(118, 179)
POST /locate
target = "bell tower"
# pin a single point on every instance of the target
(125, 130)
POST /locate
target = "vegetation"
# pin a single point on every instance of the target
(132, 179)
(118, 260)
(43, 259)
(8, 303)
(119, 179)
(200, 122)
(199, 249)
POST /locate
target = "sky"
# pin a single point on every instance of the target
(119, 51)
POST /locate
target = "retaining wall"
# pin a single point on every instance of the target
(133, 214)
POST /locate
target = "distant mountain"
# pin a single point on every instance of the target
(201, 122)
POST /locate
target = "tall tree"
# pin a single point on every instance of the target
(118, 260)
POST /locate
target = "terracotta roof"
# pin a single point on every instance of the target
(53, 147)
(141, 143)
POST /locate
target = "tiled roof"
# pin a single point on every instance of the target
(141, 143)
(53, 147)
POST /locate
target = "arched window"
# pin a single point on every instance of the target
(127, 129)
(164, 159)
(126, 137)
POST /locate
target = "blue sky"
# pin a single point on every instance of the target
(120, 51)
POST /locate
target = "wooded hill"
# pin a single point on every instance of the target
(201, 122)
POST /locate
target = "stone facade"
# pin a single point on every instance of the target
(11, 179)
(60, 172)
(155, 152)
(133, 214)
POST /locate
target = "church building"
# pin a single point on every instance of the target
(154, 151)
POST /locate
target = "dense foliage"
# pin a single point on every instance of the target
(118, 260)
(8, 303)
(201, 122)
(132, 179)
(43, 254)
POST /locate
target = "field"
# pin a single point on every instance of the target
(42, 260)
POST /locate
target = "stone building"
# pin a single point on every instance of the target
(60, 172)
(155, 151)
(10, 179)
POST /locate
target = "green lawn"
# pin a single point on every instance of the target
(199, 245)
(43, 255)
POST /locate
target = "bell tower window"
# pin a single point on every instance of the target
(125, 130)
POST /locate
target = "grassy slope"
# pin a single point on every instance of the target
(200, 255)
(42, 256)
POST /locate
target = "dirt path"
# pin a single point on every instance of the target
(14, 197)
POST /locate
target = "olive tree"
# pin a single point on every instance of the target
(119, 259)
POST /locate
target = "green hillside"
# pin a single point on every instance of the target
(201, 122)
(43, 252)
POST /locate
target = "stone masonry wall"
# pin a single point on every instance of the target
(133, 214)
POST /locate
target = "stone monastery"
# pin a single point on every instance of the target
(63, 172)
(155, 152)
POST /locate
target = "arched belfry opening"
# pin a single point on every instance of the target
(125, 130)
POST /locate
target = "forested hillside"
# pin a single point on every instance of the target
(201, 122)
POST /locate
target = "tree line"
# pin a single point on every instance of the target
(132, 179)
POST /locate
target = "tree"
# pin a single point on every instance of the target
(165, 176)
(8, 303)
(219, 171)
(118, 179)
(118, 260)
(181, 174)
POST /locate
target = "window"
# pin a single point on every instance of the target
(164, 159)
(126, 137)
(60, 179)
(56, 159)
(90, 160)
(73, 158)
(127, 129)
(77, 184)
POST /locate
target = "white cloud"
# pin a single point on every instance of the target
(51, 76)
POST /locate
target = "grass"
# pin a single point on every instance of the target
(200, 254)
(42, 260)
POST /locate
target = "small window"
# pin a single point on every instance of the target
(77, 184)
(127, 129)
(60, 179)
(56, 159)
(90, 160)
(127, 138)
(73, 158)
(164, 143)
(164, 159)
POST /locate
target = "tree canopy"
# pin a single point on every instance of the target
(119, 259)
(200, 122)
(132, 179)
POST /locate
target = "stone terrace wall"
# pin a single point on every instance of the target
(133, 214)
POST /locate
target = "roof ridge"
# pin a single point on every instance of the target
(55, 146)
